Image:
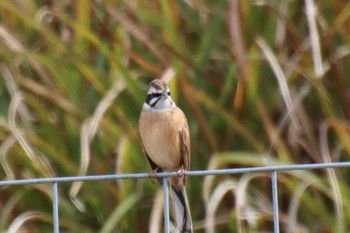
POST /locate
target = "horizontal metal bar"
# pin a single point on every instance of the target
(169, 174)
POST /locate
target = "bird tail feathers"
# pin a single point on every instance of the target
(182, 214)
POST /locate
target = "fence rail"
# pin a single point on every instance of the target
(273, 169)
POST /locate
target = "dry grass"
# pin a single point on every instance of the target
(261, 82)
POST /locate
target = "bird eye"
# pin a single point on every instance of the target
(168, 93)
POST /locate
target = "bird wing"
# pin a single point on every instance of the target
(185, 147)
(152, 164)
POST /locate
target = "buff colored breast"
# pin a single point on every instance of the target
(161, 137)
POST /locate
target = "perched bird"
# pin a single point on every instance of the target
(166, 141)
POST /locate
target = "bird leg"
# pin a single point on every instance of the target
(182, 172)
(152, 173)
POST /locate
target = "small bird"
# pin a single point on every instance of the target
(165, 138)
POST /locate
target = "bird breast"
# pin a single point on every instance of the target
(159, 132)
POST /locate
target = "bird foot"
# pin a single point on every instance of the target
(152, 174)
(182, 172)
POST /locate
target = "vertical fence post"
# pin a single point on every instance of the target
(275, 202)
(166, 205)
(55, 207)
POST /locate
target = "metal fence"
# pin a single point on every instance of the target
(272, 169)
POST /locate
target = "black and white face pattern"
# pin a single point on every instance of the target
(158, 96)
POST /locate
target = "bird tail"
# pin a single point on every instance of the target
(182, 214)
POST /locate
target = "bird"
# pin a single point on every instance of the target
(165, 137)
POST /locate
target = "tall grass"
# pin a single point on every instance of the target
(261, 83)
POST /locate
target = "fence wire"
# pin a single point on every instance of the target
(164, 175)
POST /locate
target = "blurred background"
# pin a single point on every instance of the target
(261, 83)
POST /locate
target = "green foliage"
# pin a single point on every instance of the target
(261, 83)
